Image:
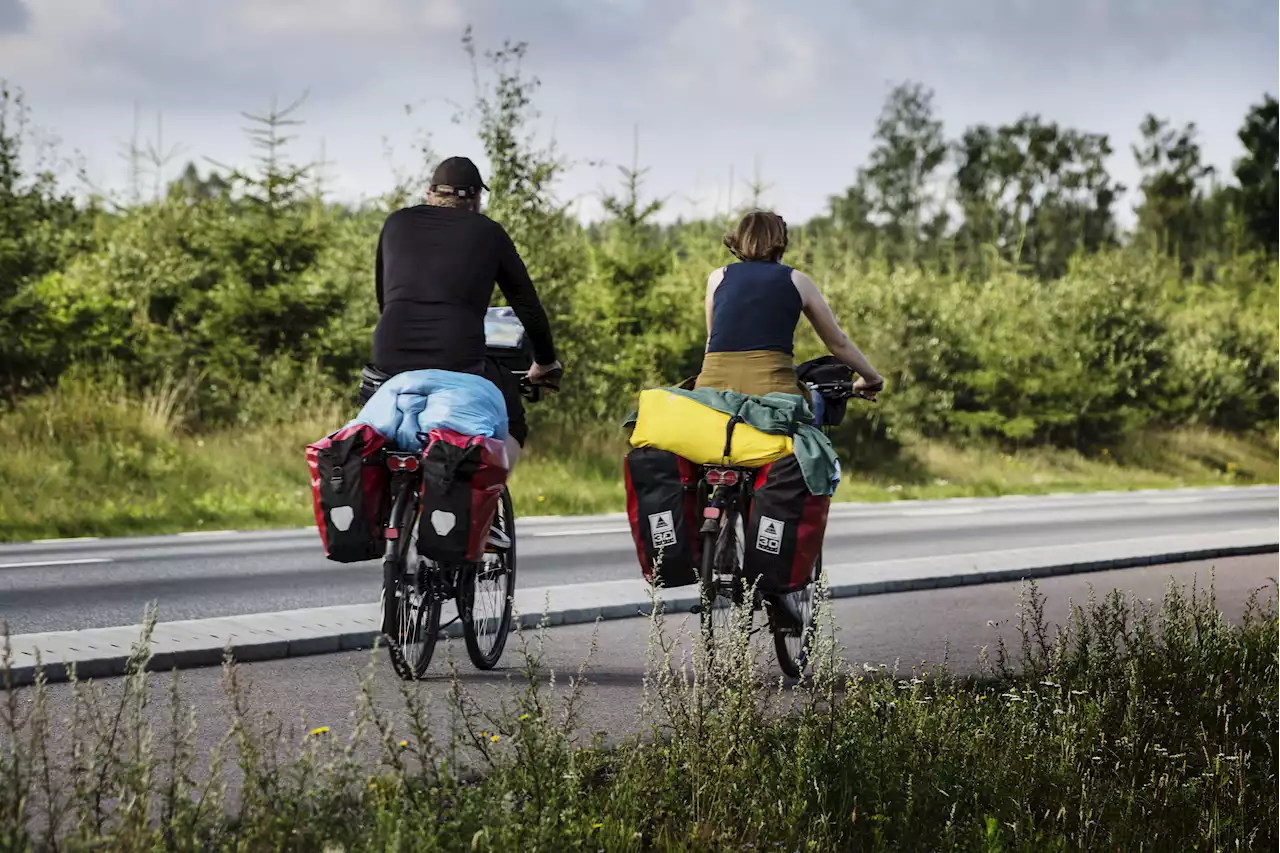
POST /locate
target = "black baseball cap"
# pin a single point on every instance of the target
(457, 176)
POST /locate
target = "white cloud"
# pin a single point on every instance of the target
(14, 16)
(712, 84)
(346, 21)
(742, 54)
(51, 47)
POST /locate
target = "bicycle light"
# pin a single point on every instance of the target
(403, 463)
(718, 477)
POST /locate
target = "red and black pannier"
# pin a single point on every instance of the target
(462, 481)
(349, 482)
(662, 506)
(785, 531)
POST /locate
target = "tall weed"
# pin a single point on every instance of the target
(1133, 726)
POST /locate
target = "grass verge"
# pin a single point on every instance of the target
(89, 460)
(1136, 726)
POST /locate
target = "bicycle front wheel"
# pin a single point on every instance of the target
(793, 651)
(487, 593)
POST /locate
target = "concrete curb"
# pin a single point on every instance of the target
(105, 652)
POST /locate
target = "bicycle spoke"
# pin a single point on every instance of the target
(489, 586)
(490, 594)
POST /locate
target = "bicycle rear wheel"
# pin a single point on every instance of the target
(487, 592)
(793, 651)
(720, 574)
(410, 605)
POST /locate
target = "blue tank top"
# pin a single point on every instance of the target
(755, 307)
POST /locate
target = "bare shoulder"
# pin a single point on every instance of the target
(807, 287)
(800, 278)
(717, 276)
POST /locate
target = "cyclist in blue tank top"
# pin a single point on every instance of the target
(753, 308)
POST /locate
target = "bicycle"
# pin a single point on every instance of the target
(414, 587)
(725, 494)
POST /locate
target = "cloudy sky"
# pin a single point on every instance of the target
(712, 85)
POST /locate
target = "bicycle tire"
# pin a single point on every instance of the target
(793, 656)
(467, 594)
(402, 617)
(720, 555)
(707, 588)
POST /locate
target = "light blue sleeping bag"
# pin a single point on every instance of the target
(419, 401)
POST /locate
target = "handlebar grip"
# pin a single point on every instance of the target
(533, 391)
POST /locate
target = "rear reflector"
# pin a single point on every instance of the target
(717, 477)
(402, 463)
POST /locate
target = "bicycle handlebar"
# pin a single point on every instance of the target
(532, 391)
(840, 390)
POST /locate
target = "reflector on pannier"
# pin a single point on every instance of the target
(462, 480)
(349, 489)
(662, 492)
(786, 528)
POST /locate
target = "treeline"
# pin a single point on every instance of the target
(985, 275)
(1035, 194)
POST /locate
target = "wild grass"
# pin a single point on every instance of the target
(1135, 726)
(91, 459)
(1156, 459)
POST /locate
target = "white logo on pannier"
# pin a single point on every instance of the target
(443, 522)
(342, 516)
(662, 528)
(769, 539)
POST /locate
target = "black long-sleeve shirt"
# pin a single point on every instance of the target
(435, 272)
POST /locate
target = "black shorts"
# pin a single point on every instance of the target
(508, 383)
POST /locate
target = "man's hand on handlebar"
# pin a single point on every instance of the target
(546, 375)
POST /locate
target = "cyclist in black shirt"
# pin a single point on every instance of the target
(436, 267)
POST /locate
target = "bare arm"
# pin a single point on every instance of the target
(713, 281)
(828, 329)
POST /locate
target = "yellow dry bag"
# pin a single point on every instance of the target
(687, 428)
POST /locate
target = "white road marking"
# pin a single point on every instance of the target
(1180, 500)
(67, 539)
(195, 533)
(923, 511)
(579, 532)
(43, 563)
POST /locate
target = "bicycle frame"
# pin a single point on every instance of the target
(722, 501)
(403, 488)
(719, 499)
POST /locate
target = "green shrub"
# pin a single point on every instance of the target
(1136, 726)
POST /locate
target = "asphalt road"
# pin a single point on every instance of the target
(52, 586)
(901, 627)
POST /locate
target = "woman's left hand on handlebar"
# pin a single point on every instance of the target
(867, 388)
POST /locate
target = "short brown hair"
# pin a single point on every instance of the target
(443, 199)
(760, 236)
